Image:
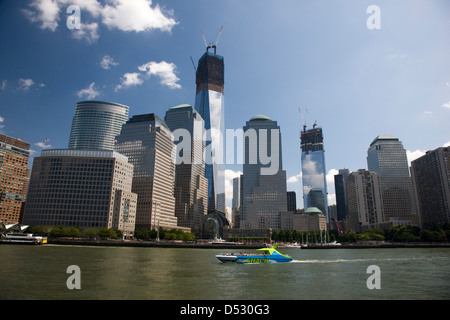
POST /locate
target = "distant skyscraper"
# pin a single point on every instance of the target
(148, 143)
(365, 206)
(291, 201)
(387, 157)
(340, 187)
(236, 202)
(264, 193)
(191, 186)
(431, 177)
(14, 175)
(84, 188)
(96, 124)
(313, 169)
(209, 102)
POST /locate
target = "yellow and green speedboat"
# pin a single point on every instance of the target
(266, 255)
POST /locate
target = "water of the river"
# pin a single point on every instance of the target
(40, 272)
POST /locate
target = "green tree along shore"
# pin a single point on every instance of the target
(431, 232)
(75, 232)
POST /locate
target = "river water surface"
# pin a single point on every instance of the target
(40, 272)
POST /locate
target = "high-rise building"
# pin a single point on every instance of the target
(340, 187)
(264, 180)
(387, 157)
(96, 124)
(431, 177)
(365, 205)
(236, 202)
(191, 186)
(313, 169)
(148, 143)
(209, 102)
(291, 201)
(84, 188)
(14, 175)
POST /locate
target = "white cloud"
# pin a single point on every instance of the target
(136, 15)
(396, 56)
(447, 144)
(89, 92)
(428, 112)
(164, 70)
(125, 15)
(43, 145)
(45, 11)
(87, 31)
(413, 155)
(447, 84)
(295, 179)
(331, 197)
(446, 105)
(3, 85)
(107, 62)
(130, 79)
(25, 84)
(2, 119)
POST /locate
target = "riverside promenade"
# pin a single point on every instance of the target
(209, 245)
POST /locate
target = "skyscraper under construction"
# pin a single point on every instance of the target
(313, 169)
(209, 102)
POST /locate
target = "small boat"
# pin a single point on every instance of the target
(267, 255)
(22, 238)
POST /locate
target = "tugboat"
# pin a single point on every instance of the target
(267, 255)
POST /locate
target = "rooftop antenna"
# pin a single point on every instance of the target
(212, 45)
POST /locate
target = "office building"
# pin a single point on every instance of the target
(83, 188)
(148, 143)
(387, 157)
(291, 201)
(96, 124)
(264, 180)
(365, 205)
(14, 175)
(431, 179)
(313, 169)
(209, 102)
(340, 187)
(236, 202)
(191, 186)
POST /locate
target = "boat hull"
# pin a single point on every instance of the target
(274, 258)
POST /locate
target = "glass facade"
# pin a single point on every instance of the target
(387, 157)
(96, 124)
(191, 186)
(209, 102)
(263, 195)
(313, 170)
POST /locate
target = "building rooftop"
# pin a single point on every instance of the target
(260, 117)
(384, 137)
(181, 106)
(313, 210)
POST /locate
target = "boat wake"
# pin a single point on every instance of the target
(349, 260)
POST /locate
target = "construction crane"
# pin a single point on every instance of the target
(212, 45)
(302, 118)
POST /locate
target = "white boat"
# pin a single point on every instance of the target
(22, 238)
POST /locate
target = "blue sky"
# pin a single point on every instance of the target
(279, 56)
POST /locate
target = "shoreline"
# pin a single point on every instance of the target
(207, 245)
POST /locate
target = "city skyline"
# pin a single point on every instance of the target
(319, 57)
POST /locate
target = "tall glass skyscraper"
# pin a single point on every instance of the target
(96, 124)
(263, 193)
(313, 170)
(387, 157)
(191, 186)
(209, 102)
